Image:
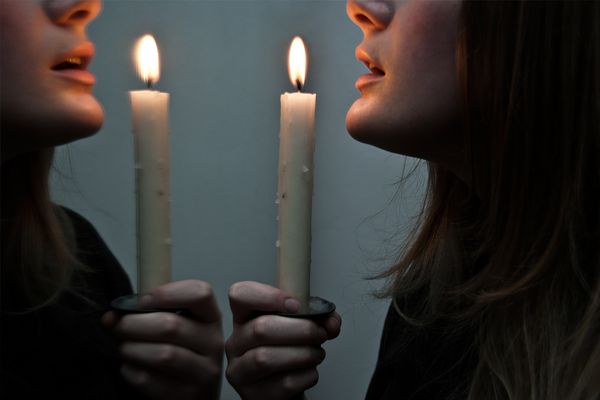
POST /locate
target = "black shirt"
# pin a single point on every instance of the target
(62, 350)
(422, 363)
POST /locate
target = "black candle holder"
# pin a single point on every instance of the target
(317, 308)
(129, 304)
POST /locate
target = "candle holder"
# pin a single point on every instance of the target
(317, 308)
(129, 304)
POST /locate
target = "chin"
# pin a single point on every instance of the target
(90, 120)
(354, 122)
(365, 125)
(48, 124)
(360, 123)
(78, 120)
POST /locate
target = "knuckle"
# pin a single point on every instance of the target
(289, 384)
(125, 324)
(234, 290)
(203, 289)
(262, 357)
(160, 293)
(261, 328)
(139, 378)
(310, 331)
(171, 325)
(166, 355)
(142, 379)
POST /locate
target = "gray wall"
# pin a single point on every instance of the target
(224, 63)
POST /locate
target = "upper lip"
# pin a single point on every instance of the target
(369, 61)
(80, 55)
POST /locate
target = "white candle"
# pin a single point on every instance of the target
(149, 110)
(295, 186)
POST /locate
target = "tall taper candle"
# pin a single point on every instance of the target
(152, 164)
(295, 186)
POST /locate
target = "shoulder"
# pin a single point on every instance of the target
(79, 222)
(88, 240)
(93, 252)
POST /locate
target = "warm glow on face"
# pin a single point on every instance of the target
(146, 54)
(297, 62)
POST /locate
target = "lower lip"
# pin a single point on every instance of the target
(79, 75)
(368, 79)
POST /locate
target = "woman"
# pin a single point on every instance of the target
(497, 294)
(58, 276)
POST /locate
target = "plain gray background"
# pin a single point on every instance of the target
(224, 64)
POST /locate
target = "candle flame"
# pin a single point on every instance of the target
(148, 64)
(297, 62)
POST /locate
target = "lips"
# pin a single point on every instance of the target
(73, 64)
(377, 72)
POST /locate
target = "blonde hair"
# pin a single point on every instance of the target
(515, 254)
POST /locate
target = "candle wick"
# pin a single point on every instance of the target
(299, 85)
(149, 83)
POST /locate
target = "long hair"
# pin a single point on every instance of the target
(515, 253)
(38, 242)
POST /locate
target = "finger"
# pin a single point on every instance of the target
(110, 319)
(272, 330)
(287, 385)
(263, 362)
(166, 327)
(174, 361)
(245, 298)
(333, 325)
(193, 295)
(158, 386)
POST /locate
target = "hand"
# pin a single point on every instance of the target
(273, 357)
(171, 356)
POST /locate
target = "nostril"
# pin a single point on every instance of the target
(362, 19)
(80, 14)
(71, 12)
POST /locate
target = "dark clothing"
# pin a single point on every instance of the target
(62, 351)
(427, 363)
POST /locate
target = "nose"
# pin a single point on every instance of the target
(370, 14)
(72, 12)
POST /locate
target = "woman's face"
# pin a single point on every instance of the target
(409, 102)
(46, 90)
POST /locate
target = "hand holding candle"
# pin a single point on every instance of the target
(151, 139)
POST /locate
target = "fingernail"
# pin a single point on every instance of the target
(145, 301)
(292, 305)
